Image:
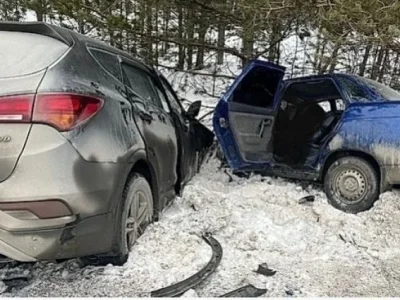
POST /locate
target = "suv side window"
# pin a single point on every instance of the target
(173, 99)
(163, 99)
(140, 83)
(108, 61)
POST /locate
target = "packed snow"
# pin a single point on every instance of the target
(315, 249)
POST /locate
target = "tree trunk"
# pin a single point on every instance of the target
(120, 35)
(378, 64)
(363, 65)
(157, 44)
(334, 57)
(320, 58)
(248, 44)
(141, 11)
(39, 16)
(202, 41)
(278, 52)
(136, 27)
(149, 33)
(81, 26)
(384, 66)
(181, 49)
(221, 41)
(273, 52)
(190, 37)
(394, 75)
(165, 45)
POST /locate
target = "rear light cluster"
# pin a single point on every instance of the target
(62, 111)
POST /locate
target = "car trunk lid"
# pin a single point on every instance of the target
(24, 58)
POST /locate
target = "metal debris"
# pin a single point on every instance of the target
(264, 270)
(306, 199)
(248, 291)
(16, 282)
(179, 288)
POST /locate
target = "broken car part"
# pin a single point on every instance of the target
(264, 270)
(306, 199)
(245, 292)
(16, 282)
(179, 288)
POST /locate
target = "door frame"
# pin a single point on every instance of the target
(221, 119)
(155, 111)
(183, 130)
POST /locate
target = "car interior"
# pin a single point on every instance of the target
(308, 112)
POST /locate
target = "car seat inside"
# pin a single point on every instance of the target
(308, 112)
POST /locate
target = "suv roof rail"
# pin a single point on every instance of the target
(38, 28)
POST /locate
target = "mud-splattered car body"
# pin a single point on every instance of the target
(361, 119)
(78, 120)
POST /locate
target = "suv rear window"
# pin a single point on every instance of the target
(24, 53)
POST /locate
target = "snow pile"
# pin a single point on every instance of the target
(315, 249)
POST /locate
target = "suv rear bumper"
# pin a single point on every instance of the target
(87, 237)
(51, 169)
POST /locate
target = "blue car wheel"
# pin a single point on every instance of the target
(352, 184)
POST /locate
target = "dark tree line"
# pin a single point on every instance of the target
(357, 36)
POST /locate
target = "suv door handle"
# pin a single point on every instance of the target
(145, 116)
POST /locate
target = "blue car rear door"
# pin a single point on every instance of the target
(244, 117)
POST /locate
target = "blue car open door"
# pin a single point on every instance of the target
(244, 117)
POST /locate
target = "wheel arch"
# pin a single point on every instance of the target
(333, 156)
(136, 164)
(141, 165)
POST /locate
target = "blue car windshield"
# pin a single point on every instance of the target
(383, 90)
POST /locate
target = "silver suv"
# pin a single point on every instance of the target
(93, 145)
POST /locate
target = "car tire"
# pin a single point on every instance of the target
(137, 193)
(351, 184)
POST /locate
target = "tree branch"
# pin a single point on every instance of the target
(197, 73)
(217, 12)
(194, 43)
(283, 36)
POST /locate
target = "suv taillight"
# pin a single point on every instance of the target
(64, 111)
(16, 109)
(60, 110)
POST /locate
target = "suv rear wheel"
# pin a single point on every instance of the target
(351, 184)
(135, 213)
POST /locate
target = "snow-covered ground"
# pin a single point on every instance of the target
(315, 249)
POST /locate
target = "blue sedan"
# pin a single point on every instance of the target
(339, 129)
